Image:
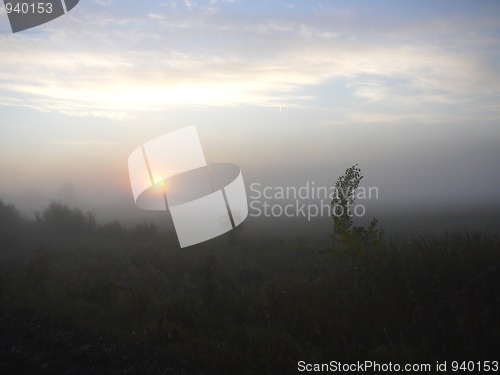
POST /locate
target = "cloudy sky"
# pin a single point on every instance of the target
(291, 91)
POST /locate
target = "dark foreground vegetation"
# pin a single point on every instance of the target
(80, 298)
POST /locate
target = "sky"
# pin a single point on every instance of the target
(290, 91)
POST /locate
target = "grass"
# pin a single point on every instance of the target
(259, 306)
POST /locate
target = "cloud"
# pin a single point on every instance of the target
(156, 16)
(190, 4)
(169, 4)
(371, 90)
(162, 61)
(105, 3)
(83, 143)
(213, 2)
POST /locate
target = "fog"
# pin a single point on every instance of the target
(292, 94)
(427, 177)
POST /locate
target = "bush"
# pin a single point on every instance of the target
(61, 220)
(10, 223)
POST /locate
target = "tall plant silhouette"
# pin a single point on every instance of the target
(362, 244)
(342, 213)
(343, 201)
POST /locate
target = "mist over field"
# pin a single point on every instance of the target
(422, 185)
(394, 103)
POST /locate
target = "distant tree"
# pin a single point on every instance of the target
(112, 229)
(342, 210)
(10, 224)
(362, 245)
(63, 220)
(343, 201)
(145, 231)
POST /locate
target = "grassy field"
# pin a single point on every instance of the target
(107, 298)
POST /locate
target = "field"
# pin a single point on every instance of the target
(77, 297)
